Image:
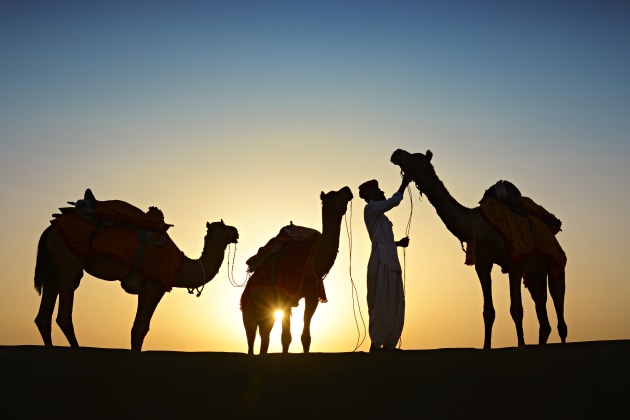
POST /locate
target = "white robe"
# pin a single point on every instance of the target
(385, 296)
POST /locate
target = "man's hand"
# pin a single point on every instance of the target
(405, 181)
(404, 242)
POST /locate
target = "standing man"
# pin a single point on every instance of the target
(385, 296)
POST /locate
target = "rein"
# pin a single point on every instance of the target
(355, 296)
(407, 230)
(231, 272)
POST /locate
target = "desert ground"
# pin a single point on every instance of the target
(582, 379)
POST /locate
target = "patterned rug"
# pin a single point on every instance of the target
(529, 232)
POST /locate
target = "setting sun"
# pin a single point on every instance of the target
(278, 315)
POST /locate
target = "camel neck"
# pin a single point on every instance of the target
(455, 216)
(196, 273)
(328, 246)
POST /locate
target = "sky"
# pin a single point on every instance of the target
(246, 111)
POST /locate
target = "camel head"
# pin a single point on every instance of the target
(337, 201)
(417, 165)
(220, 232)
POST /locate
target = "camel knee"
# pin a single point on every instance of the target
(517, 313)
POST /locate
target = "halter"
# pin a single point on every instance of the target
(203, 276)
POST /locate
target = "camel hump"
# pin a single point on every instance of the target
(288, 236)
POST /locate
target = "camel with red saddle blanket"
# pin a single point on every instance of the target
(492, 238)
(115, 241)
(292, 266)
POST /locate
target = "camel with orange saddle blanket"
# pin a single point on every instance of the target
(115, 241)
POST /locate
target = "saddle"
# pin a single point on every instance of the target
(510, 196)
(116, 212)
(280, 243)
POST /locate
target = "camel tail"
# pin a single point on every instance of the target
(43, 264)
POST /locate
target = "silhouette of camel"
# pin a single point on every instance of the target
(470, 226)
(260, 301)
(59, 270)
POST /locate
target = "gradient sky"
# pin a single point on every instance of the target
(246, 111)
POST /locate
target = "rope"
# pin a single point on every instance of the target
(356, 307)
(231, 272)
(203, 276)
(407, 230)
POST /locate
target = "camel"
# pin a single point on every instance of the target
(258, 314)
(58, 272)
(489, 248)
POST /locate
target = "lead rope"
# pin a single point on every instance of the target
(356, 307)
(407, 230)
(231, 271)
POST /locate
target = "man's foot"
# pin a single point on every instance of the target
(374, 348)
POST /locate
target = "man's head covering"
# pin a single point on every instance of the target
(367, 187)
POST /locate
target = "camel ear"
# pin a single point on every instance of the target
(207, 225)
(429, 155)
(222, 222)
(322, 195)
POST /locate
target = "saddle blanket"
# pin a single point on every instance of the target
(121, 242)
(525, 234)
(282, 265)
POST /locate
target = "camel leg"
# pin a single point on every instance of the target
(63, 276)
(537, 286)
(64, 315)
(43, 320)
(556, 290)
(286, 329)
(266, 324)
(46, 284)
(483, 272)
(516, 306)
(68, 281)
(310, 305)
(148, 300)
(250, 322)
